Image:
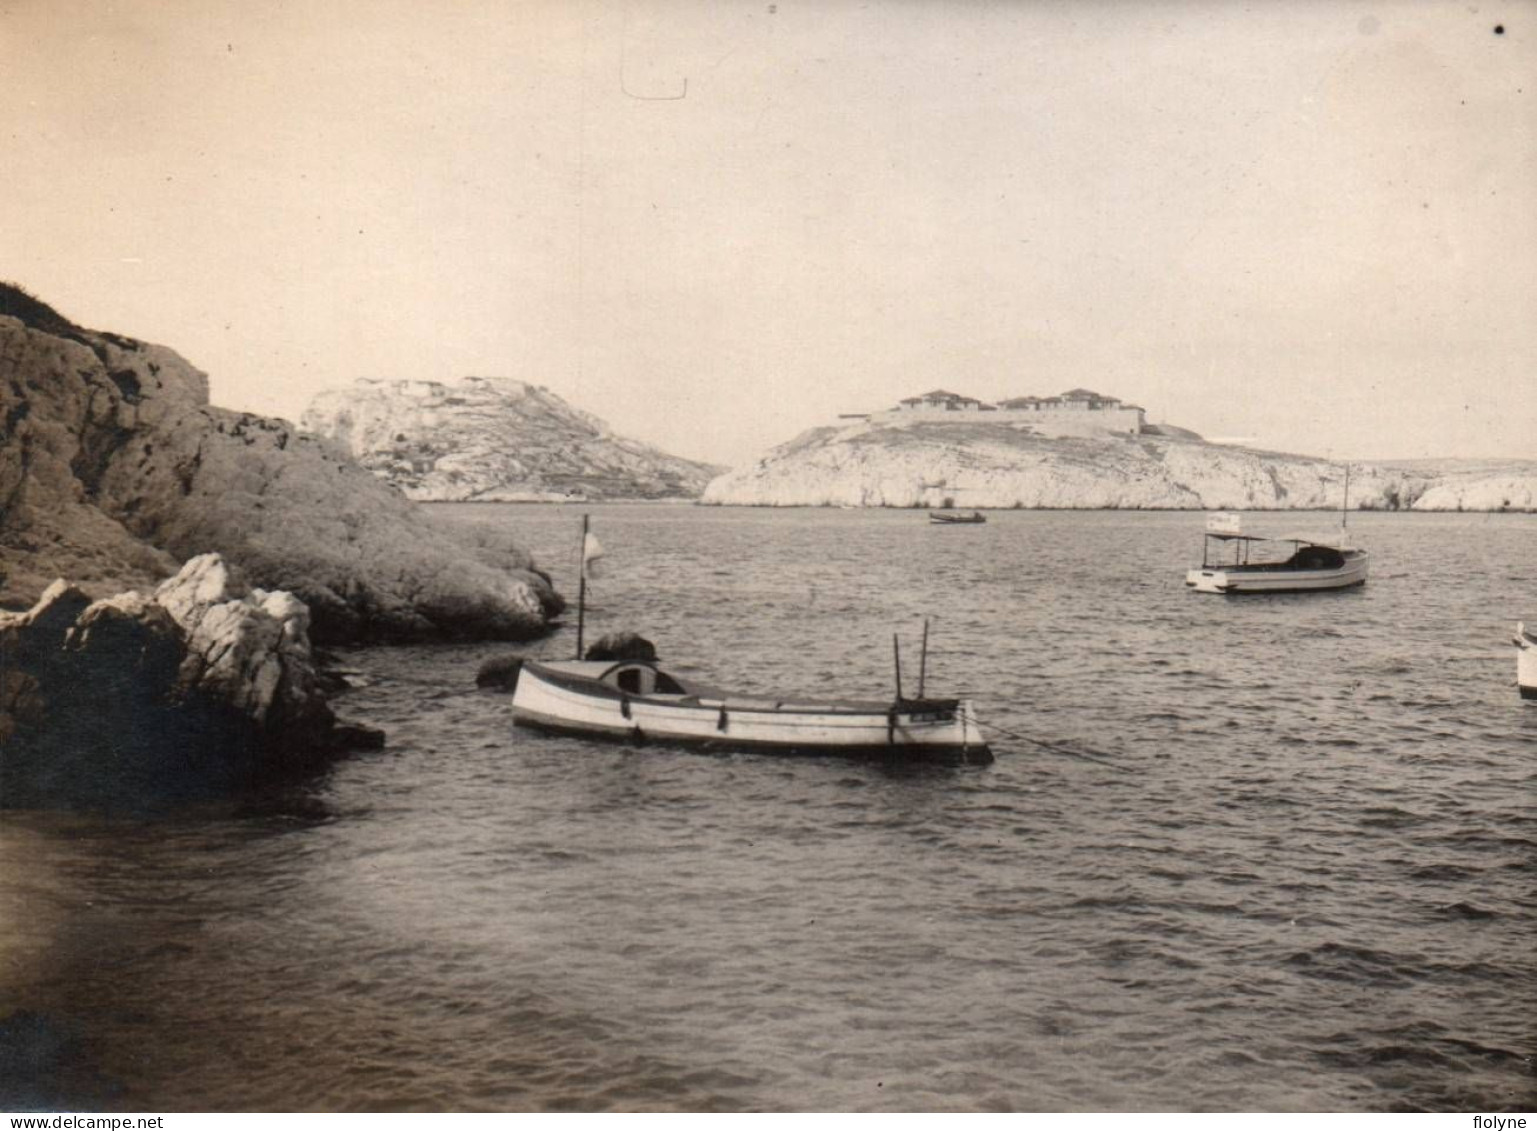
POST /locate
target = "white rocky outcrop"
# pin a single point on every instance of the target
(1472, 492)
(1010, 465)
(251, 649)
(493, 439)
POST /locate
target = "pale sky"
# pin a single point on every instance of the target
(716, 223)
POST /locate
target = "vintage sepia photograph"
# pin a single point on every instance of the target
(854, 556)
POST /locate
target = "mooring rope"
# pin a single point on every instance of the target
(1052, 747)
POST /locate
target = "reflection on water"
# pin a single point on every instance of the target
(1299, 877)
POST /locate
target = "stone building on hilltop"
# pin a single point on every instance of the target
(1076, 407)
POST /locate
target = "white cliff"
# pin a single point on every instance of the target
(493, 439)
(987, 464)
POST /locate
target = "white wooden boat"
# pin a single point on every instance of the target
(636, 700)
(1312, 564)
(1526, 661)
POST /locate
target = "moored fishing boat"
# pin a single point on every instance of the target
(637, 701)
(628, 696)
(948, 518)
(1526, 661)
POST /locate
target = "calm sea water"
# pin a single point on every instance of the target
(1301, 873)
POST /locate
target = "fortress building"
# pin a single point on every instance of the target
(1072, 408)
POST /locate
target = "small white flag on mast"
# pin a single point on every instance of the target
(592, 550)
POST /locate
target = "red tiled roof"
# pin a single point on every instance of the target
(939, 395)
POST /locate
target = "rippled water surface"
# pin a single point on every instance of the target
(1299, 872)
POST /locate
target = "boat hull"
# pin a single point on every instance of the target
(957, 520)
(1237, 580)
(544, 701)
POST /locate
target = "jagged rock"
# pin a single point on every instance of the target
(30, 646)
(919, 464)
(138, 697)
(500, 673)
(622, 646)
(250, 650)
(113, 468)
(494, 439)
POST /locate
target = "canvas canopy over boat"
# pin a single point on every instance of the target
(1526, 660)
(950, 518)
(636, 700)
(1236, 563)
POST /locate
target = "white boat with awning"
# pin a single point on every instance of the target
(1235, 563)
(638, 701)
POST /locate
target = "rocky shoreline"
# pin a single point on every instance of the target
(167, 564)
(196, 687)
(114, 469)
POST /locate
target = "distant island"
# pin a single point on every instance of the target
(494, 439)
(1086, 450)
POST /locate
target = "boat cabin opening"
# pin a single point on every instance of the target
(1315, 557)
(641, 679)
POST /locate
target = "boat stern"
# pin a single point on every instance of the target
(974, 748)
(1207, 580)
(1526, 661)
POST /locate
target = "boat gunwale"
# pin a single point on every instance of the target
(710, 699)
(1269, 569)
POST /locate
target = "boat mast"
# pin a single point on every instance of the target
(923, 658)
(581, 588)
(896, 656)
(1345, 501)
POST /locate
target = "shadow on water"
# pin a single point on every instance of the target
(146, 771)
(68, 932)
(45, 1066)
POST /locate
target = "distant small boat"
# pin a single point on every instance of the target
(950, 518)
(1526, 661)
(1314, 563)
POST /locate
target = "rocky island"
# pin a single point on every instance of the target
(494, 439)
(1085, 450)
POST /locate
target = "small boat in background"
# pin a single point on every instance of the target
(1526, 661)
(949, 518)
(1314, 563)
